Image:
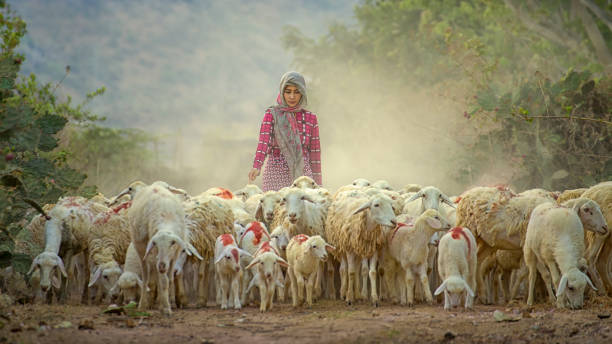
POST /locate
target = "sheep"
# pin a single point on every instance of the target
(247, 192)
(409, 247)
(354, 227)
(357, 184)
(66, 233)
(410, 188)
(207, 219)
(267, 207)
(227, 269)
(382, 185)
(108, 241)
(602, 194)
(135, 186)
(498, 219)
(267, 264)
(129, 284)
(157, 221)
(457, 267)
(252, 204)
(555, 237)
(570, 194)
(304, 255)
(537, 192)
(304, 182)
(429, 197)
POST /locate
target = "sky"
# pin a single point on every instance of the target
(199, 73)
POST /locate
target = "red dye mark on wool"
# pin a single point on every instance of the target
(300, 238)
(227, 239)
(225, 194)
(457, 233)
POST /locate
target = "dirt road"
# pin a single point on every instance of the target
(325, 322)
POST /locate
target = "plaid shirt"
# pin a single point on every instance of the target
(309, 135)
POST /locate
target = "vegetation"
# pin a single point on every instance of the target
(532, 78)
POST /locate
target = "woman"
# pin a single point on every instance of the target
(289, 137)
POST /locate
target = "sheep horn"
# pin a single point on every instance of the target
(37, 207)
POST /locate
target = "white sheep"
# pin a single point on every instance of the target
(409, 247)
(429, 197)
(457, 267)
(305, 255)
(555, 237)
(354, 227)
(382, 185)
(129, 284)
(227, 269)
(267, 263)
(247, 192)
(304, 182)
(158, 227)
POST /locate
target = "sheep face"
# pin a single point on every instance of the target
(167, 246)
(304, 182)
(108, 274)
(382, 185)
(228, 260)
(318, 247)
(431, 198)
(360, 182)
(592, 218)
(454, 289)
(128, 285)
(239, 230)
(280, 238)
(48, 263)
(295, 202)
(266, 264)
(267, 204)
(435, 220)
(570, 292)
(381, 210)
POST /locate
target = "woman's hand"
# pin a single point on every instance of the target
(253, 174)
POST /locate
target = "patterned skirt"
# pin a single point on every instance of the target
(276, 173)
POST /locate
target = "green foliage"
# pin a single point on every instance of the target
(491, 57)
(28, 136)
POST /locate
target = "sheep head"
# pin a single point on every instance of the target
(47, 263)
(280, 238)
(167, 245)
(454, 288)
(431, 198)
(266, 263)
(361, 182)
(592, 218)
(434, 220)
(570, 292)
(128, 285)
(295, 203)
(380, 209)
(108, 274)
(304, 182)
(267, 205)
(317, 246)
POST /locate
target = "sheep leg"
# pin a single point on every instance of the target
(373, 274)
(263, 294)
(310, 285)
(485, 270)
(270, 296)
(294, 295)
(350, 298)
(224, 283)
(343, 277)
(604, 264)
(484, 252)
(318, 280)
(425, 284)
(364, 279)
(180, 293)
(330, 289)
(531, 263)
(519, 278)
(401, 288)
(203, 284)
(409, 282)
(163, 293)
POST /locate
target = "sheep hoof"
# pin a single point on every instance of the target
(375, 304)
(223, 306)
(166, 312)
(349, 303)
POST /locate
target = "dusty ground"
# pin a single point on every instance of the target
(326, 322)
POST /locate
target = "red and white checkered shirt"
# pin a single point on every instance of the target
(309, 134)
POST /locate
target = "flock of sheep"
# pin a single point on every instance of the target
(163, 248)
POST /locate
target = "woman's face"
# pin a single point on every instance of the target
(292, 95)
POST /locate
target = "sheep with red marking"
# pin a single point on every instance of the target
(305, 255)
(555, 238)
(457, 267)
(228, 269)
(266, 264)
(157, 221)
(408, 245)
(354, 225)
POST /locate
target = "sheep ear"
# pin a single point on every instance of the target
(282, 262)
(149, 247)
(448, 201)
(244, 252)
(253, 263)
(33, 266)
(192, 250)
(219, 258)
(329, 248)
(139, 282)
(413, 197)
(433, 223)
(113, 290)
(363, 207)
(469, 290)
(259, 212)
(60, 263)
(56, 280)
(562, 285)
(589, 281)
(95, 276)
(440, 288)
